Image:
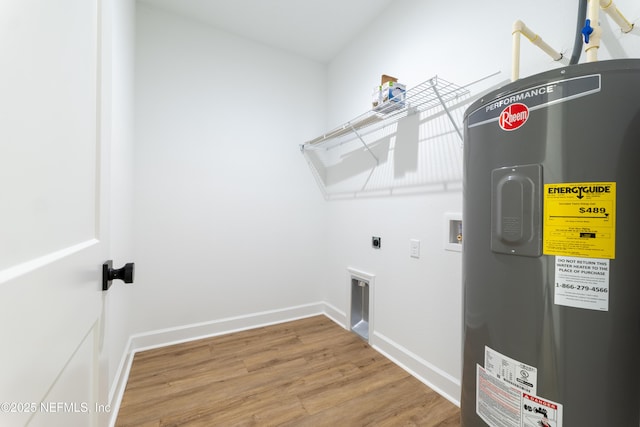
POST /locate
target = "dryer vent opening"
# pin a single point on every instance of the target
(360, 303)
(360, 308)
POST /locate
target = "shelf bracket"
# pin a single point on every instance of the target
(446, 110)
(364, 143)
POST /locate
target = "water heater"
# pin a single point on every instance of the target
(551, 259)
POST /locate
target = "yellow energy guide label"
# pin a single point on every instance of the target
(580, 219)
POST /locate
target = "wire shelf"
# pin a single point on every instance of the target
(432, 93)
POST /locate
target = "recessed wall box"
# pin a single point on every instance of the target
(361, 303)
(453, 231)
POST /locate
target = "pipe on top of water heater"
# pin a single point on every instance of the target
(610, 9)
(592, 32)
(520, 28)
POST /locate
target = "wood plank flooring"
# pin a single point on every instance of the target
(309, 372)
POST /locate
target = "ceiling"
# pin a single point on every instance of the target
(316, 29)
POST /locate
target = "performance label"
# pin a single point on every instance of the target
(580, 219)
(533, 98)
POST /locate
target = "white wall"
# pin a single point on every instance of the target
(228, 221)
(418, 302)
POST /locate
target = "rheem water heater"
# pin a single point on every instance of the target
(551, 266)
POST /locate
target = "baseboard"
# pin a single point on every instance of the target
(439, 381)
(170, 336)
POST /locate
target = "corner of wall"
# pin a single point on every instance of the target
(439, 381)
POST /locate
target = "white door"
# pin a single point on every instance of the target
(52, 213)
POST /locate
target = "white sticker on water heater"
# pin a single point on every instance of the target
(497, 403)
(517, 374)
(582, 283)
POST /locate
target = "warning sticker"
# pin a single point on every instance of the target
(496, 403)
(582, 283)
(580, 219)
(501, 405)
(538, 412)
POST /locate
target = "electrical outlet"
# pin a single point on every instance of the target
(376, 242)
(414, 248)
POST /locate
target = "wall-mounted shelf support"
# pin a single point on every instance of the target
(364, 143)
(446, 110)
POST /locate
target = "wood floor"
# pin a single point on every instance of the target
(309, 372)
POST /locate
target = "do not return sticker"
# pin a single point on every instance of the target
(582, 283)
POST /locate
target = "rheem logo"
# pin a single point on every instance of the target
(514, 116)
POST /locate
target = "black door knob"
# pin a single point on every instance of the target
(109, 273)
